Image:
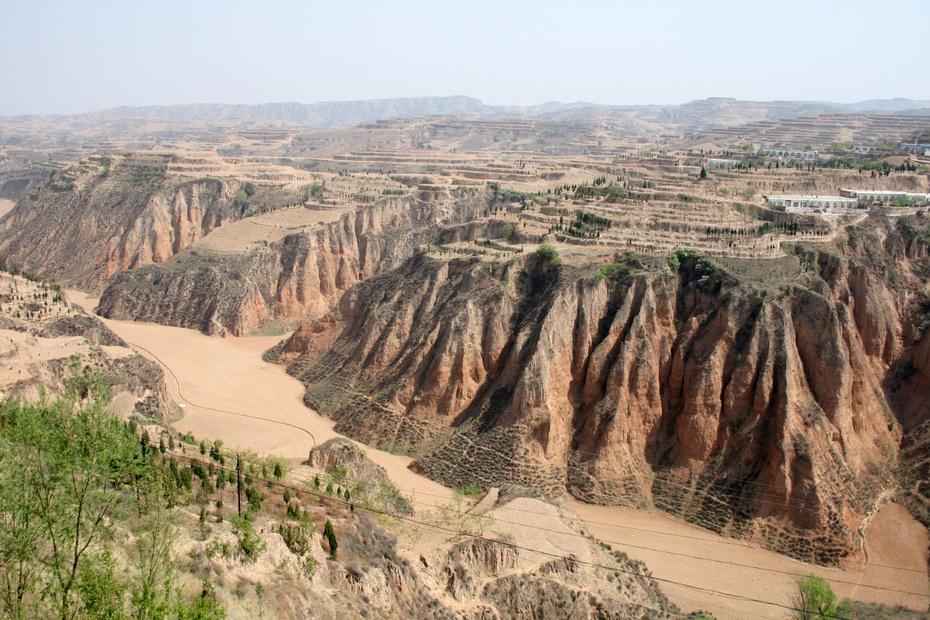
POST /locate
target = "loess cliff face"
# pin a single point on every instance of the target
(773, 415)
(303, 274)
(86, 224)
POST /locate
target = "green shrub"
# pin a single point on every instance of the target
(250, 545)
(254, 499)
(547, 255)
(330, 537)
(817, 601)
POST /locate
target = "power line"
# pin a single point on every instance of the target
(351, 506)
(695, 557)
(680, 485)
(516, 546)
(714, 541)
(705, 493)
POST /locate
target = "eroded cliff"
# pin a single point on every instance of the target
(303, 274)
(766, 413)
(85, 224)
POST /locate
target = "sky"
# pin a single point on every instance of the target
(60, 56)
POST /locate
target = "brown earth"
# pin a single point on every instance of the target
(226, 376)
(45, 344)
(303, 274)
(763, 414)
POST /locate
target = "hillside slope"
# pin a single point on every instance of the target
(768, 414)
(88, 222)
(304, 273)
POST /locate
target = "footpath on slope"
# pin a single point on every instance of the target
(228, 392)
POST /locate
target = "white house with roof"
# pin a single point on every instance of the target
(833, 205)
(801, 154)
(715, 163)
(885, 196)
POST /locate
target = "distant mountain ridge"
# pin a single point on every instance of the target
(701, 113)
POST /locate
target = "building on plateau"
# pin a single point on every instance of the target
(915, 147)
(834, 205)
(864, 149)
(885, 196)
(714, 163)
(801, 154)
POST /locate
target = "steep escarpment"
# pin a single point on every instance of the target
(87, 223)
(764, 413)
(303, 274)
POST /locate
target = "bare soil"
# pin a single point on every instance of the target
(228, 392)
(5, 206)
(894, 539)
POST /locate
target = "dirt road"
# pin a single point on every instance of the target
(228, 392)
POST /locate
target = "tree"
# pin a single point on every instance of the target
(547, 255)
(62, 467)
(102, 593)
(152, 593)
(817, 601)
(254, 498)
(250, 544)
(330, 537)
(71, 473)
(703, 172)
(205, 607)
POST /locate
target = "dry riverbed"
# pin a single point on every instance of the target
(228, 392)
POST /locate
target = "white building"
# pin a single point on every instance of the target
(884, 196)
(790, 154)
(864, 149)
(915, 147)
(716, 163)
(834, 205)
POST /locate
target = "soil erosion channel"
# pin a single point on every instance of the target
(228, 392)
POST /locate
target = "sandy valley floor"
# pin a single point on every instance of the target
(223, 385)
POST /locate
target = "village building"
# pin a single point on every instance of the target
(885, 196)
(833, 205)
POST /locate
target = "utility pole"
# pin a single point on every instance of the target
(239, 485)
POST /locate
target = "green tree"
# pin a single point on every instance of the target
(152, 592)
(547, 255)
(205, 607)
(102, 593)
(73, 478)
(330, 537)
(250, 544)
(507, 232)
(67, 463)
(817, 601)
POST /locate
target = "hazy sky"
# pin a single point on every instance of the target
(61, 57)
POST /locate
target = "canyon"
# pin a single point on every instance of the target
(566, 317)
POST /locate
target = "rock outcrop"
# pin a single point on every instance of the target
(765, 414)
(342, 454)
(303, 274)
(87, 223)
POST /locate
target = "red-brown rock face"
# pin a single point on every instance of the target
(117, 218)
(764, 416)
(302, 275)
